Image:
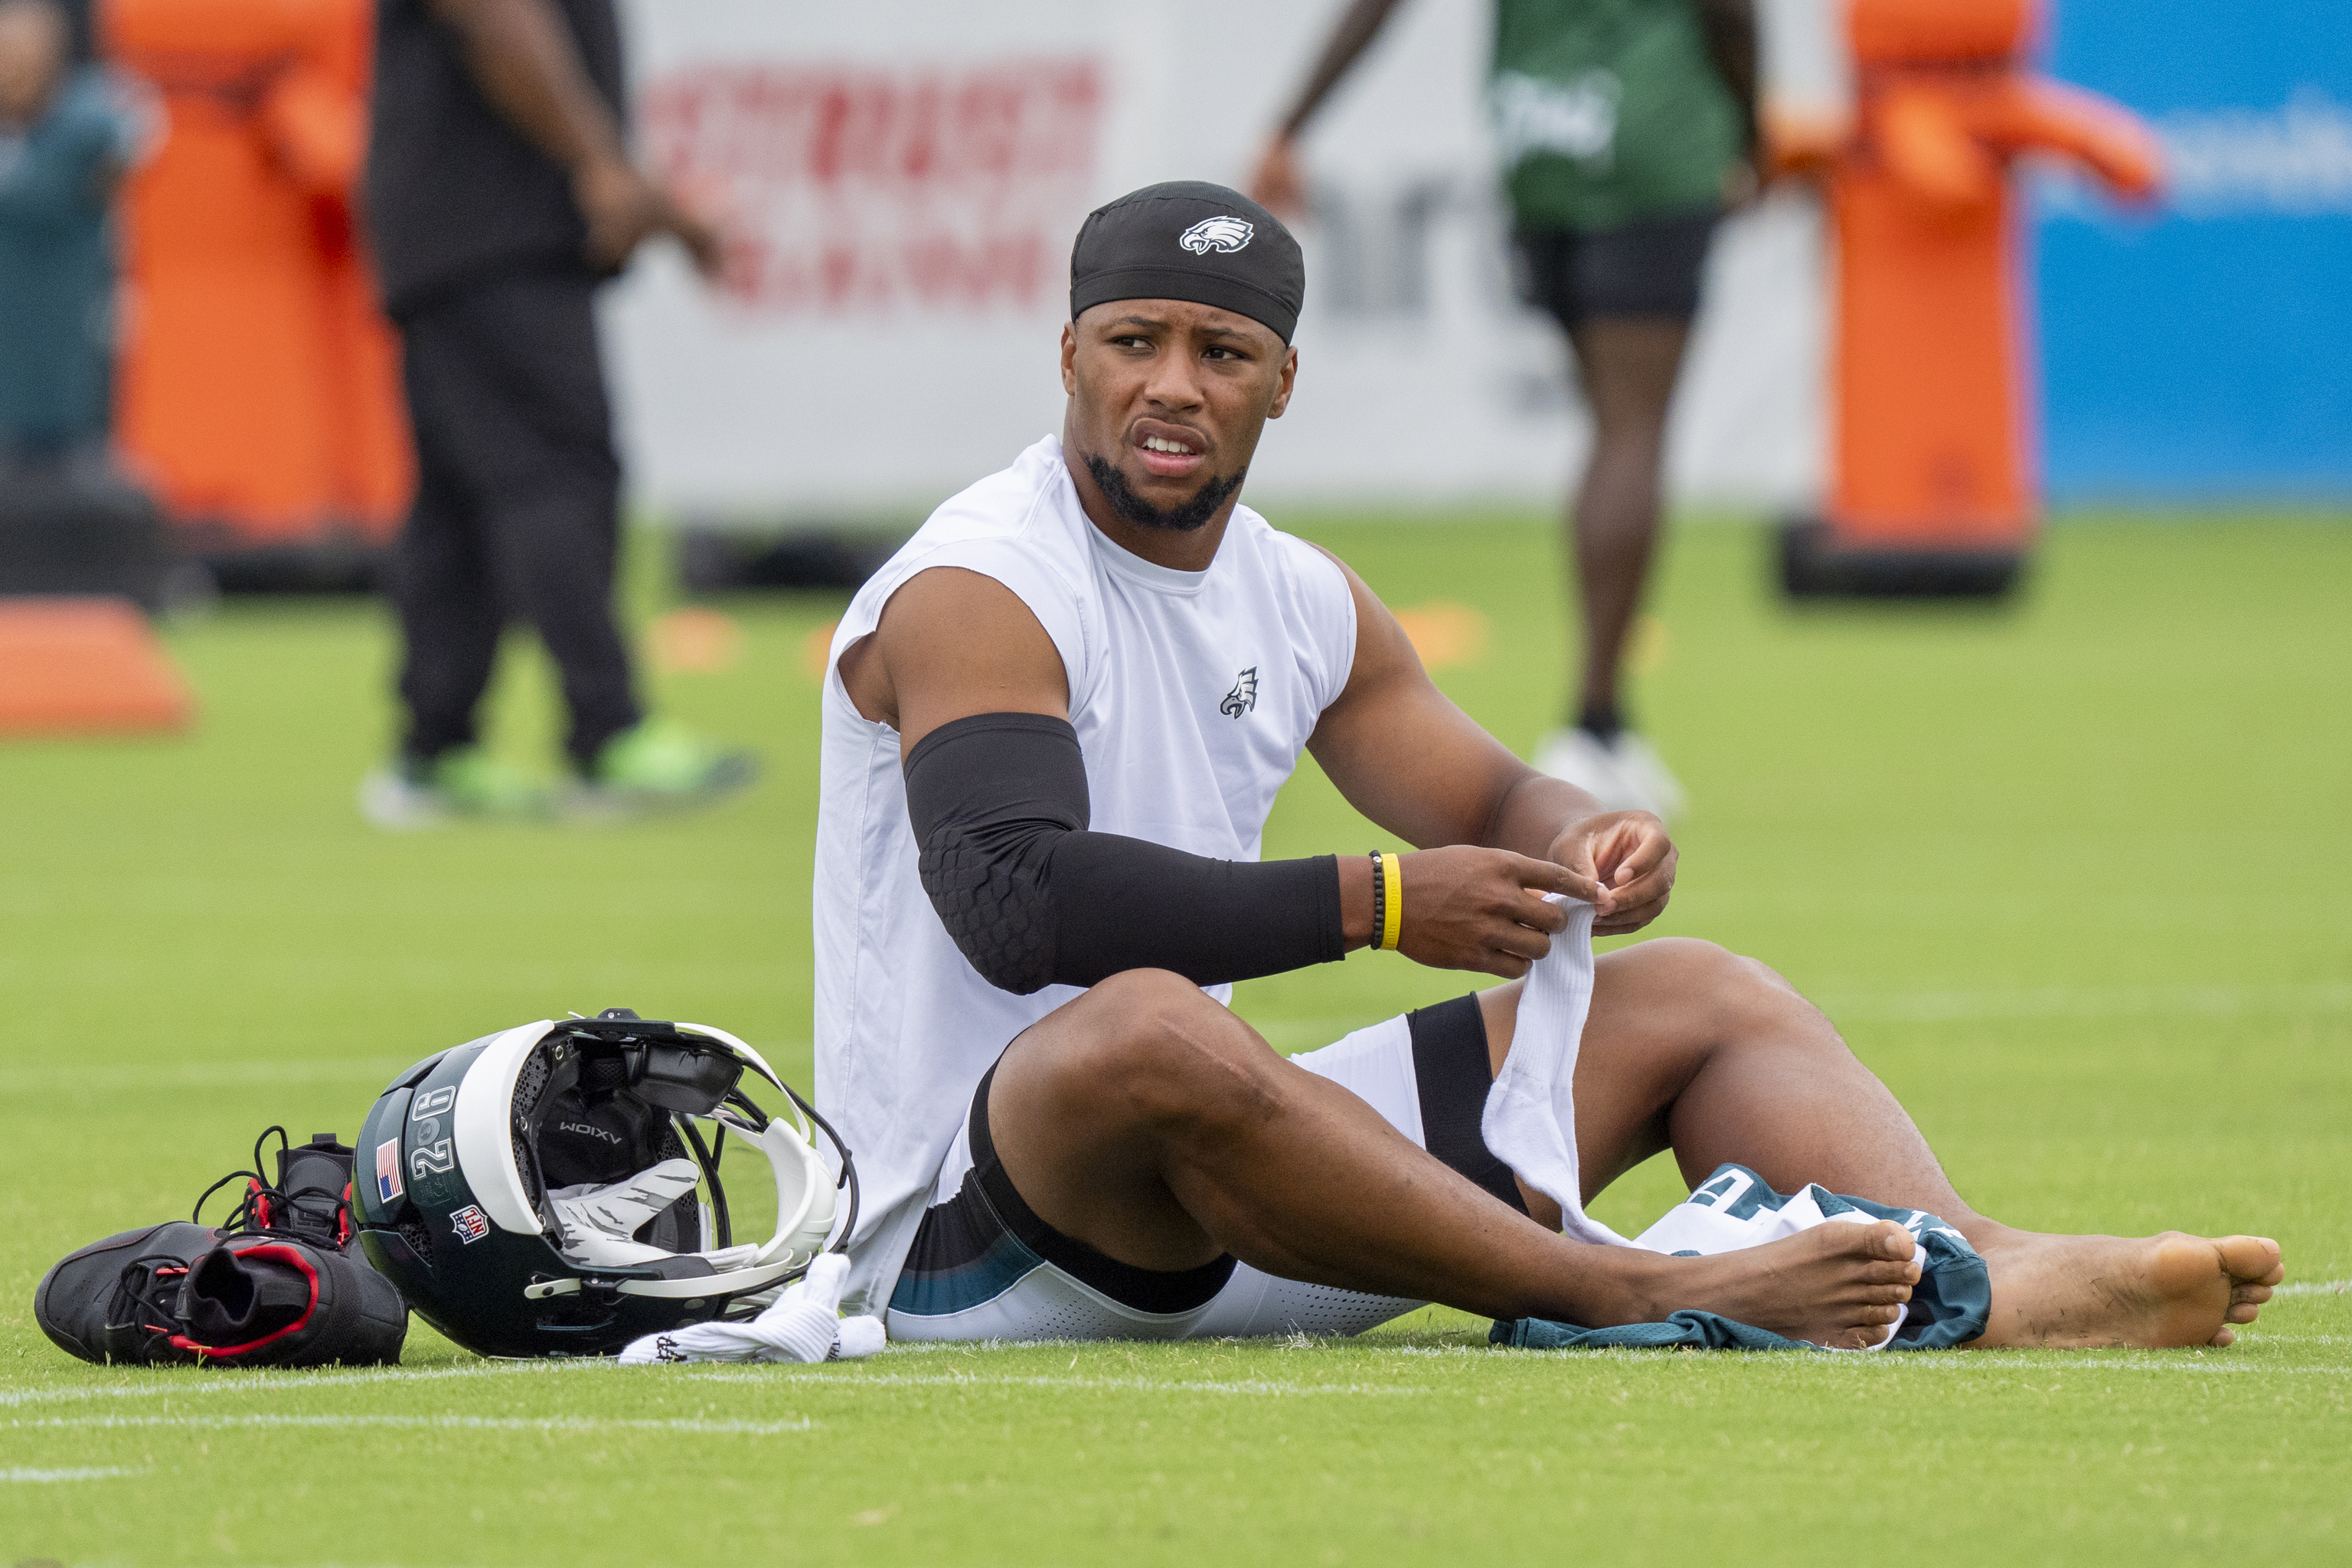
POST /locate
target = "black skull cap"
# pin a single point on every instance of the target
(1188, 239)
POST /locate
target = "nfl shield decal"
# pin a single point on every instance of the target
(387, 1170)
(470, 1223)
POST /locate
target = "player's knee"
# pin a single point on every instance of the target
(1144, 998)
(1171, 1054)
(1744, 998)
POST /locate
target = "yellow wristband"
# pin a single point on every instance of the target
(1393, 899)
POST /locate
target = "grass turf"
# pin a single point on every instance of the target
(2069, 876)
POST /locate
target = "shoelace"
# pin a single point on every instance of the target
(265, 1209)
(140, 1286)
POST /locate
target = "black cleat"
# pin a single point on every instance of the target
(277, 1285)
(93, 1304)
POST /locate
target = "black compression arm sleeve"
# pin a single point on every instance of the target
(999, 806)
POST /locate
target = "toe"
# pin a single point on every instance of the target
(2249, 1257)
(2221, 1338)
(2244, 1313)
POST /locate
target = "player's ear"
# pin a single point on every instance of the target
(1287, 377)
(1069, 359)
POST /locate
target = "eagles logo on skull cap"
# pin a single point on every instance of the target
(1189, 239)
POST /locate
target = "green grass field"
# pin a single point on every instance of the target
(2072, 877)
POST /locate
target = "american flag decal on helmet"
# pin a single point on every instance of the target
(387, 1170)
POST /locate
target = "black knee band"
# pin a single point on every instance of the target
(1450, 1064)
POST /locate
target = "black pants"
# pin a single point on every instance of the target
(518, 507)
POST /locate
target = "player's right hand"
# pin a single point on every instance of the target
(1483, 909)
(623, 208)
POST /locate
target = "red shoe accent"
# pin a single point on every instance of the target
(266, 1249)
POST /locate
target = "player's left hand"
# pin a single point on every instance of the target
(1628, 854)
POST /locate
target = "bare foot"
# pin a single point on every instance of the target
(1838, 1285)
(2157, 1291)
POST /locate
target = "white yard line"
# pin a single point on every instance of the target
(182, 1382)
(1957, 1362)
(188, 1382)
(853, 1377)
(2313, 1287)
(567, 1424)
(1115, 1384)
(50, 1478)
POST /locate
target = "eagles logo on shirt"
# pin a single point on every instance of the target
(1242, 697)
(1216, 234)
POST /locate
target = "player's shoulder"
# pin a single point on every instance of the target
(1013, 517)
(1012, 528)
(1015, 502)
(1309, 568)
(1317, 600)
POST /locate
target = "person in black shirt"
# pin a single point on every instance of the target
(500, 194)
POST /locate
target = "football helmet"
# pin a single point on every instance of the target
(541, 1191)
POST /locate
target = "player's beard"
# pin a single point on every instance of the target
(1183, 518)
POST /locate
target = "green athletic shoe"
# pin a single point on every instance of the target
(658, 765)
(467, 782)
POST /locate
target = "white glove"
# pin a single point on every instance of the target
(805, 1325)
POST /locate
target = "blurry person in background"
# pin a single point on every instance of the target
(500, 194)
(1625, 127)
(65, 142)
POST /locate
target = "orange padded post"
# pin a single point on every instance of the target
(259, 387)
(85, 667)
(1932, 366)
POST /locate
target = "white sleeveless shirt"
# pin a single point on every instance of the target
(1192, 694)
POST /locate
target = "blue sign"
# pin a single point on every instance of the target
(2205, 349)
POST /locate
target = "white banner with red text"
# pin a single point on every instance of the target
(903, 179)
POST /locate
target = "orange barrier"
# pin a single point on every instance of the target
(258, 385)
(85, 667)
(1933, 362)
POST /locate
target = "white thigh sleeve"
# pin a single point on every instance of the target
(1376, 1065)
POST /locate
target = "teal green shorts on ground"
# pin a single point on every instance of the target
(1950, 1306)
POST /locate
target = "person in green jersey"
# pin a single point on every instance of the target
(1625, 127)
